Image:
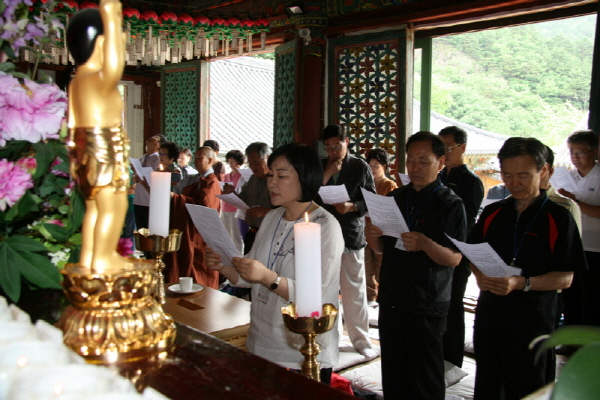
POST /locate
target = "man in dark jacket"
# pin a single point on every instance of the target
(469, 188)
(341, 168)
(416, 275)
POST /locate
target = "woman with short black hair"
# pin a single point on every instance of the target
(294, 178)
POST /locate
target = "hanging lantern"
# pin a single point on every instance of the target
(202, 24)
(67, 6)
(263, 27)
(248, 26)
(169, 18)
(218, 25)
(234, 25)
(131, 15)
(87, 4)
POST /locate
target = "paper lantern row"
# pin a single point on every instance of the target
(154, 39)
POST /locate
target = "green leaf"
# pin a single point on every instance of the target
(10, 275)
(44, 157)
(76, 239)
(6, 66)
(25, 244)
(579, 377)
(8, 51)
(573, 335)
(64, 209)
(77, 211)
(39, 271)
(59, 233)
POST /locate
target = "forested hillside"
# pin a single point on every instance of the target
(531, 80)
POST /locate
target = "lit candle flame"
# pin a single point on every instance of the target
(306, 217)
(160, 167)
(22, 361)
(58, 388)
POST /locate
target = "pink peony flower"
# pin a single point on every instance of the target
(125, 247)
(14, 181)
(55, 222)
(28, 163)
(31, 112)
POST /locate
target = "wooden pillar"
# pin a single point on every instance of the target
(594, 118)
(309, 117)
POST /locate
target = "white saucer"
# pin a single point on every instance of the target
(195, 288)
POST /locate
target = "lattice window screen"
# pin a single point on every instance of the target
(285, 76)
(366, 95)
(181, 108)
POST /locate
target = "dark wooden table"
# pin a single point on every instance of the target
(201, 366)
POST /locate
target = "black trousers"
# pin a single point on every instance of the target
(454, 337)
(508, 371)
(412, 363)
(142, 214)
(582, 300)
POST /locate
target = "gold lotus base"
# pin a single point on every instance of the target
(158, 246)
(114, 316)
(310, 327)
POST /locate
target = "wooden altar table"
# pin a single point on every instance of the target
(211, 311)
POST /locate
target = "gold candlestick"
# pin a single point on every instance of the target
(310, 327)
(158, 246)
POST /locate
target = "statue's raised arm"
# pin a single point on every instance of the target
(114, 49)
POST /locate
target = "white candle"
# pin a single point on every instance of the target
(160, 203)
(307, 243)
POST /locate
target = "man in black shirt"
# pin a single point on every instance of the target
(469, 188)
(414, 294)
(530, 232)
(341, 168)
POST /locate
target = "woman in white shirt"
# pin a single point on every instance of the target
(295, 175)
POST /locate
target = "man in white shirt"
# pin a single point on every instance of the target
(582, 302)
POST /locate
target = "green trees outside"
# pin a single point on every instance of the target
(531, 80)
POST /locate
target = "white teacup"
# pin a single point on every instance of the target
(185, 284)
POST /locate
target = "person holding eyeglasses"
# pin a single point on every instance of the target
(583, 297)
(469, 188)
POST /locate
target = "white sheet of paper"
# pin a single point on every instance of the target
(137, 166)
(385, 214)
(146, 173)
(246, 173)
(405, 179)
(487, 202)
(563, 179)
(209, 224)
(231, 198)
(485, 258)
(334, 194)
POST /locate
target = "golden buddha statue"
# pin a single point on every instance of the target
(98, 144)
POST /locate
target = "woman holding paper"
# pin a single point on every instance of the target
(379, 161)
(276, 274)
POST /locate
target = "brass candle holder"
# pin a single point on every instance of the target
(114, 316)
(310, 327)
(158, 246)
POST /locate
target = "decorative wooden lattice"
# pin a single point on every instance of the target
(366, 95)
(285, 76)
(180, 104)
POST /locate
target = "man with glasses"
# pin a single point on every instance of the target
(469, 188)
(341, 168)
(582, 300)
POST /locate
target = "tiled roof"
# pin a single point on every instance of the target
(479, 140)
(241, 102)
